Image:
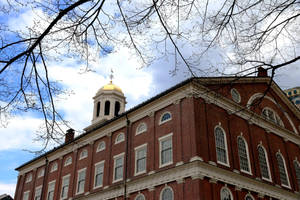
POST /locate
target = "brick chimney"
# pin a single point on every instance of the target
(262, 72)
(69, 135)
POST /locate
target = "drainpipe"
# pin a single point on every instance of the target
(126, 156)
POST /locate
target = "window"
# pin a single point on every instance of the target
(68, 161)
(65, 187)
(142, 127)
(167, 194)
(99, 171)
(140, 159)
(297, 169)
(165, 117)
(235, 95)
(41, 172)
(80, 181)
(50, 193)
(140, 197)
(249, 197)
(289, 93)
(226, 194)
(243, 155)
(117, 108)
(98, 109)
(107, 107)
(28, 178)
(101, 146)
(26, 195)
(118, 167)
(83, 154)
(166, 151)
(37, 193)
(263, 163)
(295, 91)
(282, 170)
(53, 167)
(221, 146)
(120, 138)
(272, 116)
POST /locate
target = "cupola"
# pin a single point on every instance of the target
(109, 102)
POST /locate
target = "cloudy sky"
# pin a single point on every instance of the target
(138, 84)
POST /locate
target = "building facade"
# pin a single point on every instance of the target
(205, 138)
(294, 95)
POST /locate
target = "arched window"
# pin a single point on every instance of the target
(167, 194)
(249, 197)
(107, 107)
(282, 170)
(243, 155)
(101, 146)
(142, 127)
(140, 197)
(221, 146)
(226, 194)
(120, 138)
(53, 167)
(117, 108)
(263, 163)
(98, 109)
(272, 116)
(165, 117)
(83, 154)
(297, 169)
(68, 161)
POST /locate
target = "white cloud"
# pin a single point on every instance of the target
(7, 189)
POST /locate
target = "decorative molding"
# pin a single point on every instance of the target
(212, 180)
(151, 188)
(212, 163)
(236, 171)
(179, 163)
(196, 158)
(179, 181)
(176, 102)
(151, 114)
(197, 176)
(237, 188)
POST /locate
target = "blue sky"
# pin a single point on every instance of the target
(138, 84)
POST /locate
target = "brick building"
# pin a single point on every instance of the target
(205, 138)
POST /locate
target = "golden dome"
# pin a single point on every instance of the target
(111, 87)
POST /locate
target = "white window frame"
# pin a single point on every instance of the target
(26, 193)
(83, 154)
(136, 149)
(267, 161)
(121, 155)
(226, 147)
(41, 172)
(118, 140)
(276, 117)
(285, 170)
(239, 96)
(77, 181)
(62, 186)
(40, 193)
(66, 163)
(28, 178)
(296, 162)
(101, 163)
(165, 188)
(54, 167)
(50, 183)
(225, 188)
(161, 116)
(137, 132)
(99, 148)
(140, 195)
(249, 195)
(247, 153)
(161, 139)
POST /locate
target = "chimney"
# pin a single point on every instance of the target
(69, 135)
(262, 72)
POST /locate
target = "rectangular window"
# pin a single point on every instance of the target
(65, 186)
(80, 181)
(140, 159)
(50, 193)
(118, 167)
(99, 170)
(26, 195)
(37, 193)
(165, 150)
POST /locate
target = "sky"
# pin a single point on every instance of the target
(138, 84)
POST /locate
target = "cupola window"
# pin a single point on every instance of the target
(107, 107)
(98, 109)
(117, 108)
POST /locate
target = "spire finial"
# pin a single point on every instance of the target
(111, 76)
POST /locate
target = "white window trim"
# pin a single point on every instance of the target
(37, 188)
(27, 178)
(137, 196)
(267, 160)
(163, 138)
(81, 156)
(97, 164)
(26, 192)
(41, 172)
(119, 141)
(286, 172)
(143, 146)
(65, 163)
(166, 187)
(77, 181)
(52, 167)
(275, 115)
(161, 116)
(226, 188)
(100, 149)
(248, 157)
(137, 132)
(249, 195)
(239, 95)
(64, 177)
(226, 147)
(49, 183)
(115, 158)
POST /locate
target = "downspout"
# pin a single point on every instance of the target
(126, 156)
(45, 179)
